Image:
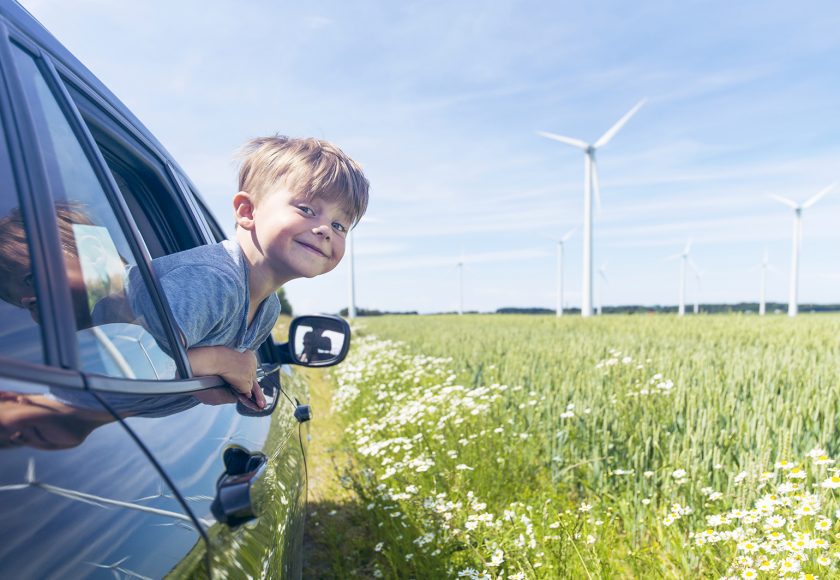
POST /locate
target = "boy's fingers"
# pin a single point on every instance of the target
(259, 397)
(247, 402)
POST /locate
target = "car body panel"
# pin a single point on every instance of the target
(79, 497)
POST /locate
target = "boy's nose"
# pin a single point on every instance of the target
(322, 230)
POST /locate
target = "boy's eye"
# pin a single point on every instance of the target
(306, 209)
(339, 227)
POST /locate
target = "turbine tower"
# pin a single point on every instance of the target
(765, 265)
(460, 267)
(351, 309)
(560, 244)
(793, 302)
(590, 183)
(686, 261)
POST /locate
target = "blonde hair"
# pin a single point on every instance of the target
(307, 166)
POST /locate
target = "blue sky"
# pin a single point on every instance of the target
(440, 102)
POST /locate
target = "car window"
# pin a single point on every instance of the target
(20, 335)
(161, 214)
(101, 267)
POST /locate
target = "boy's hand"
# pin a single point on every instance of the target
(239, 369)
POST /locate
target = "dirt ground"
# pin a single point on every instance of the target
(335, 541)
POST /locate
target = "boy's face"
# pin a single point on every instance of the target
(300, 238)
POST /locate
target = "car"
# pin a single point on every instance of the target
(114, 459)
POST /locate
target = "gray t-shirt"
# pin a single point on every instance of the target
(208, 294)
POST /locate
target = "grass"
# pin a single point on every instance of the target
(525, 446)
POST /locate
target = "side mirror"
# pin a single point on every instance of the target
(317, 341)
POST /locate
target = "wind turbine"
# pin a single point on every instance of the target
(590, 183)
(765, 266)
(602, 271)
(685, 261)
(793, 302)
(351, 306)
(351, 309)
(560, 244)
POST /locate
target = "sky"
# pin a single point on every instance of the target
(441, 101)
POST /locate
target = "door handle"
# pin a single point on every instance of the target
(240, 491)
(268, 377)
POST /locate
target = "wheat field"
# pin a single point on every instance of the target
(502, 446)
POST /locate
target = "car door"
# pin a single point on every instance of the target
(79, 497)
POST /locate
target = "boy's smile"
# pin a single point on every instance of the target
(313, 249)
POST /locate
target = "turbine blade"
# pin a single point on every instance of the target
(819, 196)
(687, 248)
(674, 257)
(567, 140)
(568, 235)
(605, 138)
(694, 267)
(784, 200)
(596, 186)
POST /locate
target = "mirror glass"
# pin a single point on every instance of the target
(317, 340)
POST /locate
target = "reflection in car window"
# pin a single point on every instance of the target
(112, 340)
(20, 337)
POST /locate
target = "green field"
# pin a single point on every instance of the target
(495, 446)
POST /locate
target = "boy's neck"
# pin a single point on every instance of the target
(262, 281)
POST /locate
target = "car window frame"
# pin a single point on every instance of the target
(118, 207)
(49, 272)
(203, 228)
(122, 135)
(34, 196)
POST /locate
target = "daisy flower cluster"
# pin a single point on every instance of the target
(789, 530)
(421, 443)
(643, 384)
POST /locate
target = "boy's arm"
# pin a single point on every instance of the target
(239, 369)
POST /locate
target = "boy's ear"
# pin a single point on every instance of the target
(243, 209)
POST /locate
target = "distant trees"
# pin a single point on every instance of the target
(285, 305)
(746, 307)
(366, 312)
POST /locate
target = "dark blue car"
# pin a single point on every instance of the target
(115, 461)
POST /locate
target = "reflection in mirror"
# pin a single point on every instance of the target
(314, 343)
(318, 340)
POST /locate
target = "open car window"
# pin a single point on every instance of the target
(113, 339)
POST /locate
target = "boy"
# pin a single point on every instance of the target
(297, 200)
